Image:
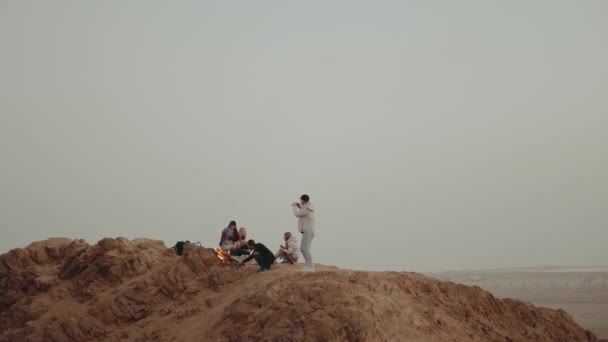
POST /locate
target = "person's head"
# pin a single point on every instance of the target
(250, 244)
(286, 236)
(243, 233)
(304, 199)
(232, 225)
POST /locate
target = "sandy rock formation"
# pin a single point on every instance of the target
(138, 290)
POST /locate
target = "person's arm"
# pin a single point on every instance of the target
(249, 257)
(300, 212)
(223, 238)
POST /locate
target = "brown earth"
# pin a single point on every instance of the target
(580, 291)
(67, 290)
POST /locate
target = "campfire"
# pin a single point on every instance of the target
(224, 257)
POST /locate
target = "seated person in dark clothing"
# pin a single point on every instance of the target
(263, 256)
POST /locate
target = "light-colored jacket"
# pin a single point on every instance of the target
(306, 217)
(292, 248)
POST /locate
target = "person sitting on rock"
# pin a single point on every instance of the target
(239, 248)
(290, 252)
(229, 236)
(263, 256)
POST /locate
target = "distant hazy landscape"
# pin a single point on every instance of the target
(580, 291)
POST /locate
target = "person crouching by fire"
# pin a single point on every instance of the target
(262, 255)
(290, 253)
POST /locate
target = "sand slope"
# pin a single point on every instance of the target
(580, 291)
(67, 290)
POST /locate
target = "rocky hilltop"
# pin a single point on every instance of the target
(139, 290)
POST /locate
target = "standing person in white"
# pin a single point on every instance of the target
(305, 212)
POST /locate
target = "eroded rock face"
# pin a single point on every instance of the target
(68, 290)
(359, 306)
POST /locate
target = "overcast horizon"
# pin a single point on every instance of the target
(430, 135)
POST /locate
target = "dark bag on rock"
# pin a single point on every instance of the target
(179, 247)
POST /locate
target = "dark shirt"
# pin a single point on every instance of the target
(265, 254)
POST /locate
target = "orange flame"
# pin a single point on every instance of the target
(223, 256)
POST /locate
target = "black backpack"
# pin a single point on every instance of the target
(179, 247)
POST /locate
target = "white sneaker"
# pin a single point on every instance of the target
(308, 269)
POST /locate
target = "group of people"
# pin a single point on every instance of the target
(235, 241)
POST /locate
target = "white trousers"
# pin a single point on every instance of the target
(305, 248)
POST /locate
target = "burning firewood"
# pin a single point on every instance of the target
(224, 257)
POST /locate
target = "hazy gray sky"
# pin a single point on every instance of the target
(431, 135)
